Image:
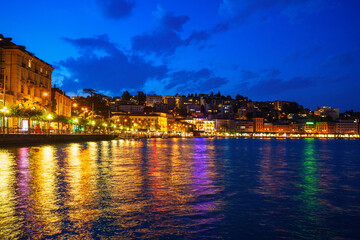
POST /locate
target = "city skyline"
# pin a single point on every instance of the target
(303, 51)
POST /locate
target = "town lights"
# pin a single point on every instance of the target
(45, 94)
(49, 117)
(76, 120)
(93, 123)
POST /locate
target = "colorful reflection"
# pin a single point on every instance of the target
(178, 189)
(80, 179)
(45, 196)
(310, 207)
(10, 222)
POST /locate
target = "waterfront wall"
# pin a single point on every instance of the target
(25, 139)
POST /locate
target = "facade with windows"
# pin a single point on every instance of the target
(24, 78)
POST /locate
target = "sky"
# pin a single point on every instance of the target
(306, 51)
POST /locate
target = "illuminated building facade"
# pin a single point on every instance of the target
(23, 76)
(61, 104)
(152, 99)
(347, 127)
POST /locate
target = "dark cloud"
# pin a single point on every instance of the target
(165, 39)
(167, 35)
(203, 35)
(304, 54)
(275, 86)
(158, 42)
(114, 71)
(116, 9)
(247, 75)
(239, 11)
(185, 81)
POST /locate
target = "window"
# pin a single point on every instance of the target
(22, 88)
(29, 63)
(22, 74)
(28, 90)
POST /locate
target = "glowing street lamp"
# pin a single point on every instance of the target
(4, 110)
(49, 117)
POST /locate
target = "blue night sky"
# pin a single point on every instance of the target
(306, 51)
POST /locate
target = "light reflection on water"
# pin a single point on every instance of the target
(182, 188)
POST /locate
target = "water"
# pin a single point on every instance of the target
(182, 189)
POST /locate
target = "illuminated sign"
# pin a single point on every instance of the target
(310, 123)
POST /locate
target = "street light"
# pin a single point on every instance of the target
(49, 117)
(4, 110)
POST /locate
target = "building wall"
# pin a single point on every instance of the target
(27, 79)
(63, 103)
(245, 126)
(347, 127)
(152, 99)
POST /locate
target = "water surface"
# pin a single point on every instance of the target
(182, 189)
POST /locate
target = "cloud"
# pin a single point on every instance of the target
(189, 81)
(116, 9)
(269, 82)
(304, 54)
(113, 71)
(275, 86)
(167, 37)
(239, 11)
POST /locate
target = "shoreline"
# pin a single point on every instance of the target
(14, 140)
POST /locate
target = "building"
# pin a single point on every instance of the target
(347, 127)
(245, 126)
(170, 101)
(152, 99)
(325, 127)
(23, 75)
(324, 111)
(24, 79)
(61, 104)
(225, 125)
(128, 108)
(258, 124)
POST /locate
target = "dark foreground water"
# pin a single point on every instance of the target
(182, 189)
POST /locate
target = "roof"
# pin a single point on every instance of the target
(6, 43)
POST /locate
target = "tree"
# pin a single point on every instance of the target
(140, 98)
(126, 96)
(89, 91)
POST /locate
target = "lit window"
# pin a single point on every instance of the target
(29, 63)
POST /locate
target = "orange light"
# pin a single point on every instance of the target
(74, 105)
(45, 93)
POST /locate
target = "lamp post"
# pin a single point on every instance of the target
(49, 117)
(76, 122)
(93, 124)
(4, 111)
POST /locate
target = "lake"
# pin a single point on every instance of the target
(182, 189)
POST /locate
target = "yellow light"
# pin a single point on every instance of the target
(105, 125)
(93, 123)
(76, 120)
(49, 116)
(74, 105)
(45, 94)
